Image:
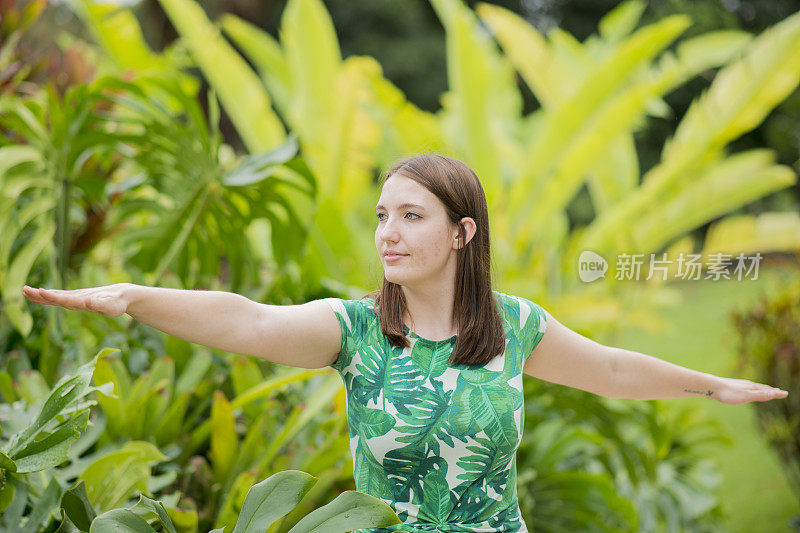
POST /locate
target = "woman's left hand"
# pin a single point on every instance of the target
(738, 391)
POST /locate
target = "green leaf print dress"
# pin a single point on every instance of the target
(436, 442)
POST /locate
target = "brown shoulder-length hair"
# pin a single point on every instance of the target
(481, 335)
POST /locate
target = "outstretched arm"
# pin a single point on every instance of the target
(568, 358)
(644, 377)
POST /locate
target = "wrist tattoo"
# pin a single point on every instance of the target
(709, 392)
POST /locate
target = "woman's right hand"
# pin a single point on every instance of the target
(108, 300)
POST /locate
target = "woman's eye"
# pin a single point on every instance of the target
(409, 213)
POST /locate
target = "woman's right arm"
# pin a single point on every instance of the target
(305, 335)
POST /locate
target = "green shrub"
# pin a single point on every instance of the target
(769, 352)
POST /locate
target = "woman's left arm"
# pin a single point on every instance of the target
(643, 377)
(566, 357)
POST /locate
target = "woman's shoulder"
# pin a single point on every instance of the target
(368, 304)
(512, 298)
(519, 306)
(504, 299)
(362, 308)
(356, 315)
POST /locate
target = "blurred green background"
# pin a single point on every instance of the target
(237, 146)
(754, 491)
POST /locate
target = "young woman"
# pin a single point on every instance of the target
(432, 362)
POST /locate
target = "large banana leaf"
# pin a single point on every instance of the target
(735, 181)
(117, 32)
(739, 98)
(482, 103)
(551, 80)
(337, 136)
(574, 133)
(239, 89)
(267, 56)
(767, 232)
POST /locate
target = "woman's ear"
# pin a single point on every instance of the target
(469, 229)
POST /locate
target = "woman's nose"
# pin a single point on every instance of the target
(388, 231)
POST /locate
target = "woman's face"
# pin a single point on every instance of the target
(421, 232)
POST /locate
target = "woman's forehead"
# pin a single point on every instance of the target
(400, 191)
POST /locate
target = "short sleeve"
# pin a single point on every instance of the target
(532, 323)
(352, 317)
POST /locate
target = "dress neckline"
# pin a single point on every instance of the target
(408, 332)
(442, 341)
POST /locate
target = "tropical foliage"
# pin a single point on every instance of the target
(105, 485)
(769, 349)
(126, 178)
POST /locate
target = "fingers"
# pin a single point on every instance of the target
(70, 301)
(46, 296)
(743, 391)
(767, 387)
(35, 295)
(773, 390)
(771, 393)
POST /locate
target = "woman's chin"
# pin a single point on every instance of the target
(390, 275)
